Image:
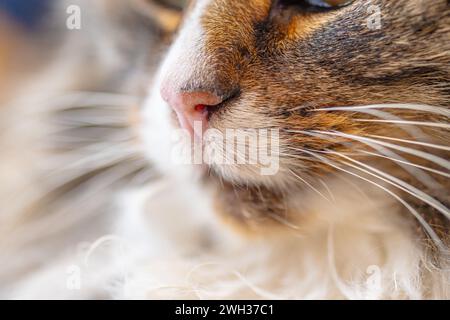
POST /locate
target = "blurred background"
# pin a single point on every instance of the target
(20, 23)
(68, 100)
(28, 13)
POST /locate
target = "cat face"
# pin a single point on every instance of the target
(304, 68)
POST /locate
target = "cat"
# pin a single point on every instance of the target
(358, 94)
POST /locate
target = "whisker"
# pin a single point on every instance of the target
(424, 144)
(66, 174)
(416, 107)
(88, 120)
(419, 218)
(413, 131)
(309, 185)
(411, 123)
(93, 153)
(344, 178)
(408, 163)
(284, 221)
(420, 175)
(80, 199)
(112, 102)
(325, 185)
(297, 156)
(433, 158)
(68, 138)
(89, 99)
(399, 184)
(422, 221)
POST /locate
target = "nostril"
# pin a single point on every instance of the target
(200, 108)
(192, 107)
(196, 102)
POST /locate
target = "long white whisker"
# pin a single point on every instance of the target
(438, 160)
(411, 130)
(408, 163)
(82, 99)
(399, 184)
(105, 118)
(416, 107)
(69, 138)
(309, 185)
(325, 185)
(425, 144)
(64, 175)
(93, 154)
(419, 218)
(420, 175)
(422, 221)
(297, 156)
(284, 221)
(344, 178)
(411, 123)
(96, 185)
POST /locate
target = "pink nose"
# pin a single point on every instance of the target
(191, 108)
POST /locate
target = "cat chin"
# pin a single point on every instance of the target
(249, 175)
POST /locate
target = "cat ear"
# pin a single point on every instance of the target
(166, 14)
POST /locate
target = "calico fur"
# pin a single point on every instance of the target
(233, 234)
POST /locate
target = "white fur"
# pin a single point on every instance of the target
(168, 244)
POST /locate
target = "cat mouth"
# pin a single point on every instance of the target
(231, 154)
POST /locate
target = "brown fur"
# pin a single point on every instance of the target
(273, 65)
